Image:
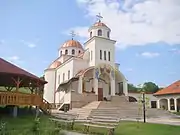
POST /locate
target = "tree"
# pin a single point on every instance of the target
(132, 88)
(150, 87)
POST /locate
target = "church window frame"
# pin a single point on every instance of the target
(99, 32)
(91, 55)
(109, 55)
(73, 51)
(68, 74)
(91, 34)
(59, 79)
(63, 77)
(100, 54)
(104, 55)
(66, 51)
(108, 34)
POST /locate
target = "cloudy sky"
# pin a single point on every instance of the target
(147, 34)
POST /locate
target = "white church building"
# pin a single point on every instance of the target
(85, 73)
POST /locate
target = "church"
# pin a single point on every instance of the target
(85, 73)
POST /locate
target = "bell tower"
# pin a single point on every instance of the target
(101, 47)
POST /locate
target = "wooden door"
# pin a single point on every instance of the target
(100, 94)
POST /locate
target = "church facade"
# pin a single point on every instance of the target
(85, 70)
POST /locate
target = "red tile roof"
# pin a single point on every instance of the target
(7, 68)
(171, 89)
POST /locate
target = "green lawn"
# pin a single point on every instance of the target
(24, 125)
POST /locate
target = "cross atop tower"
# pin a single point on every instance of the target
(72, 34)
(99, 17)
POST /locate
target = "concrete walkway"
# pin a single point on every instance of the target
(165, 120)
(73, 133)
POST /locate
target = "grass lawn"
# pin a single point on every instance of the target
(23, 126)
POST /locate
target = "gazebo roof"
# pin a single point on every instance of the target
(9, 71)
(171, 89)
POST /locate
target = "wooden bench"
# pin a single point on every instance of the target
(102, 122)
(64, 119)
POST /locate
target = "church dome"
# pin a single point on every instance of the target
(55, 64)
(72, 43)
(100, 24)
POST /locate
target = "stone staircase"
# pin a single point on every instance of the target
(85, 111)
(120, 107)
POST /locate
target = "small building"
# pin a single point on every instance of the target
(169, 97)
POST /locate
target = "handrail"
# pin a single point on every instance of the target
(18, 98)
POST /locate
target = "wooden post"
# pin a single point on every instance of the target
(17, 82)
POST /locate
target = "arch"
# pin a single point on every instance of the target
(99, 32)
(73, 51)
(172, 105)
(66, 51)
(178, 104)
(91, 34)
(163, 103)
(108, 34)
(87, 69)
(132, 99)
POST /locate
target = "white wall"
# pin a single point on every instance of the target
(49, 88)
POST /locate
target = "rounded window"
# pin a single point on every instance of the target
(99, 32)
(108, 34)
(73, 51)
(66, 51)
(91, 34)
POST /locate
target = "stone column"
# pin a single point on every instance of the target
(80, 85)
(125, 87)
(158, 104)
(175, 104)
(169, 106)
(113, 87)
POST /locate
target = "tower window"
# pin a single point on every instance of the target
(66, 51)
(108, 34)
(101, 54)
(91, 34)
(68, 74)
(73, 51)
(104, 55)
(109, 56)
(59, 79)
(79, 51)
(99, 32)
(61, 52)
(91, 54)
(63, 77)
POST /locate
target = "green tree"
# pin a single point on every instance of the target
(132, 88)
(150, 87)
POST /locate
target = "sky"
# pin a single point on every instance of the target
(147, 34)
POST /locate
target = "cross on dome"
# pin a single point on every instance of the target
(73, 34)
(99, 17)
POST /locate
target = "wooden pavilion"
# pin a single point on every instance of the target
(12, 78)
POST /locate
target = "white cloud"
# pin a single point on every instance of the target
(14, 58)
(29, 44)
(149, 54)
(129, 69)
(175, 50)
(139, 22)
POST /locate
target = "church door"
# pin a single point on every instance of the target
(100, 94)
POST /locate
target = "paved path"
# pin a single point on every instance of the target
(73, 133)
(165, 120)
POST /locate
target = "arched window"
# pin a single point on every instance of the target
(66, 51)
(99, 32)
(108, 34)
(73, 51)
(101, 54)
(104, 55)
(61, 52)
(109, 56)
(68, 74)
(79, 51)
(91, 34)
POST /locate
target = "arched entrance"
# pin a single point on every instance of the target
(172, 105)
(178, 105)
(164, 104)
(104, 87)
